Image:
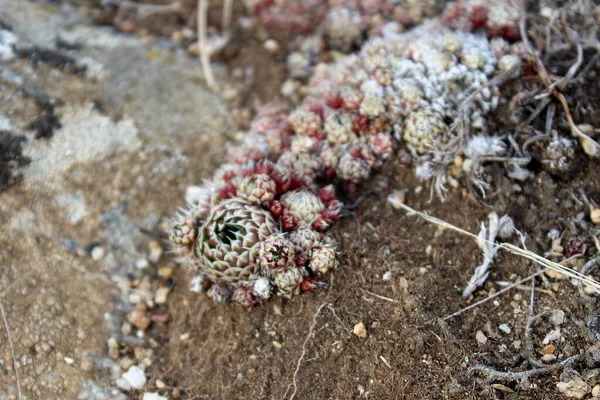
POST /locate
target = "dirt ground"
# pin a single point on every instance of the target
(399, 275)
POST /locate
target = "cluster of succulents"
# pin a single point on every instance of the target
(257, 228)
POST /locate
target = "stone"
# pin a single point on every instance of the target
(97, 253)
(139, 319)
(135, 377)
(551, 336)
(161, 295)
(575, 388)
(360, 330)
(480, 337)
(557, 317)
(505, 328)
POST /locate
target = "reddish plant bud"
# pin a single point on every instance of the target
(227, 191)
(283, 179)
(299, 181)
(335, 102)
(574, 246)
(360, 124)
(301, 258)
(333, 212)
(329, 173)
(288, 221)
(326, 194)
(309, 284)
(321, 224)
(276, 208)
(479, 16)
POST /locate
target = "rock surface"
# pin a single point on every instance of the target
(130, 133)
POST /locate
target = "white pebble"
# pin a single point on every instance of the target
(557, 317)
(387, 276)
(160, 384)
(552, 335)
(142, 263)
(136, 377)
(505, 328)
(69, 360)
(97, 253)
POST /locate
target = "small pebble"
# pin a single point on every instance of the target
(185, 336)
(136, 377)
(165, 272)
(549, 349)
(97, 253)
(271, 46)
(596, 391)
(505, 328)
(113, 348)
(155, 254)
(557, 317)
(69, 360)
(160, 384)
(142, 263)
(277, 344)
(360, 330)
(551, 336)
(548, 357)
(139, 319)
(161, 295)
(481, 338)
(387, 276)
(575, 388)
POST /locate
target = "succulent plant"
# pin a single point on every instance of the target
(288, 281)
(276, 252)
(184, 231)
(243, 296)
(229, 240)
(339, 128)
(323, 259)
(422, 128)
(258, 188)
(303, 205)
(304, 238)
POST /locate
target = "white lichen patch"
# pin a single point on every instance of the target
(85, 136)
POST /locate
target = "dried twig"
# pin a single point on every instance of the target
(498, 293)
(523, 376)
(507, 246)
(380, 297)
(308, 337)
(12, 351)
(203, 45)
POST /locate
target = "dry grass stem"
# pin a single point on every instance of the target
(507, 246)
(308, 337)
(203, 45)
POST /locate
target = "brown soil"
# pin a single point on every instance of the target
(235, 353)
